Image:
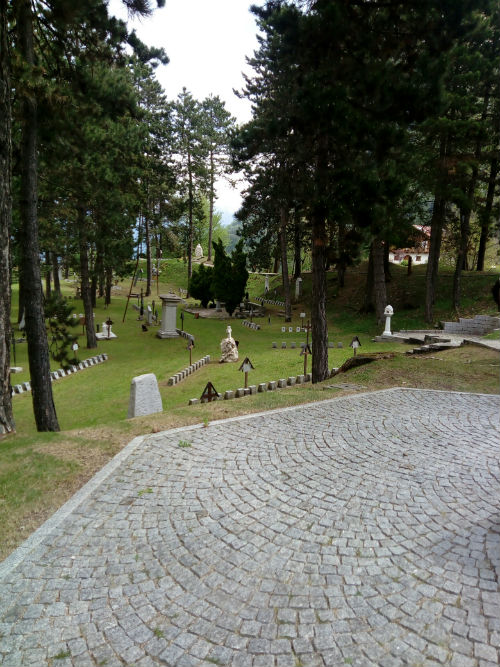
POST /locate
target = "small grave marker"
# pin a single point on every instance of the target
(210, 393)
(246, 366)
(190, 346)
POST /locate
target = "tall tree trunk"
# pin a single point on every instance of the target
(465, 214)
(387, 264)
(461, 256)
(284, 264)
(211, 205)
(379, 290)
(55, 272)
(109, 282)
(147, 236)
(431, 275)
(297, 246)
(7, 424)
(190, 218)
(437, 226)
(367, 306)
(85, 278)
(48, 264)
(38, 349)
(318, 305)
(486, 213)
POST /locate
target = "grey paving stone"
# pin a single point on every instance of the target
(314, 533)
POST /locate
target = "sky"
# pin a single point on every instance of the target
(207, 42)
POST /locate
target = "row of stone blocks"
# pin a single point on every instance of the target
(251, 325)
(478, 326)
(271, 302)
(55, 375)
(302, 345)
(263, 386)
(178, 377)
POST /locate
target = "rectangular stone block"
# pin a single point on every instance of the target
(275, 345)
(308, 377)
(262, 387)
(293, 345)
(291, 381)
(228, 395)
(283, 345)
(18, 389)
(171, 381)
(240, 392)
(281, 383)
(246, 391)
(193, 401)
(253, 389)
(26, 386)
(300, 379)
(272, 385)
(145, 396)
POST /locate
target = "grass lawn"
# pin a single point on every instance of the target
(39, 471)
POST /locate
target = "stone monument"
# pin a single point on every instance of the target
(198, 252)
(145, 396)
(228, 348)
(168, 326)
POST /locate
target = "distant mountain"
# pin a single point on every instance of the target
(227, 217)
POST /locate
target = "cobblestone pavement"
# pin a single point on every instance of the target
(363, 530)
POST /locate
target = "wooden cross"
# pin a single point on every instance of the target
(209, 393)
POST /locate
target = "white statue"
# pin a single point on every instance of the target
(228, 348)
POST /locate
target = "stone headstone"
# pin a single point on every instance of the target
(198, 252)
(149, 315)
(145, 396)
(340, 345)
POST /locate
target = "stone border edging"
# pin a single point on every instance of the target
(251, 325)
(55, 375)
(271, 302)
(271, 385)
(178, 377)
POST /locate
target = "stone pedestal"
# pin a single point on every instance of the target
(168, 326)
(388, 312)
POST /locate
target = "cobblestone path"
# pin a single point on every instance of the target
(362, 530)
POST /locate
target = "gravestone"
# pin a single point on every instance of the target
(150, 315)
(198, 252)
(168, 326)
(145, 396)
